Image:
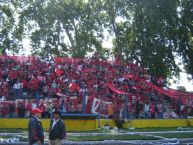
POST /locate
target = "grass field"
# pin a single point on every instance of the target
(110, 137)
(115, 137)
(100, 134)
(101, 130)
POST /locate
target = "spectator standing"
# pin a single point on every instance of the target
(185, 112)
(21, 110)
(57, 130)
(122, 114)
(45, 89)
(110, 110)
(35, 128)
(43, 108)
(11, 110)
(88, 107)
(63, 107)
(34, 104)
(4, 111)
(28, 109)
(152, 110)
(146, 110)
(137, 110)
(159, 110)
(16, 88)
(130, 110)
(79, 107)
(49, 108)
(54, 86)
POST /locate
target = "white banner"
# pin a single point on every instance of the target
(97, 103)
(95, 106)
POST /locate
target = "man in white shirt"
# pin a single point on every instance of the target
(34, 105)
(146, 110)
(16, 88)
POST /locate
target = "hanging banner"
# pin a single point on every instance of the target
(95, 106)
(115, 90)
(166, 91)
(99, 106)
(188, 101)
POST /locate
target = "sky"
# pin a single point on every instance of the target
(183, 81)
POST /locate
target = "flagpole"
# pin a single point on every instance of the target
(84, 100)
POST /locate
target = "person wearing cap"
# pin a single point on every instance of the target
(35, 128)
(57, 130)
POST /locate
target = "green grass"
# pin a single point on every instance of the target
(129, 137)
(87, 131)
(176, 135)
(136, 130)
(99, 137)
(110, 137)
(14, 130)
(101, 130)
(157, 129)
(117, 137)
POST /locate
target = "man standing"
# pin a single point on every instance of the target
(57, 130)
(35, 129)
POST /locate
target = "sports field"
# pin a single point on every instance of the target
(110, 136)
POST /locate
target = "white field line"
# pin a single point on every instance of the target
(107, 133)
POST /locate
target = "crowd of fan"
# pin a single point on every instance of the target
(45, 79)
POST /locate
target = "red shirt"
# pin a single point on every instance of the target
(88, 108)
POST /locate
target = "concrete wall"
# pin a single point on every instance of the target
(83, 124)
(157, 123)
(71, 125)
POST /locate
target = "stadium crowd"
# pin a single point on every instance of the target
(63, 83)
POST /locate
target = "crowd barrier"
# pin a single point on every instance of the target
(71, 124)
(93, 124)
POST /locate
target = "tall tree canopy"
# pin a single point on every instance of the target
(64, 27)
(152, 33)
(184, 39)
(10, 32)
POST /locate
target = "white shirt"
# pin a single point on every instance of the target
(121, 79)
(16, 86)
(146, 107)
(37, 118)
(54, 122)
(34, 106)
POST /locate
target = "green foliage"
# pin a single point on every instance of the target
(181, 88)
(11, 32)
(6, 23)
(64, 28)
(152, 33)
(185, 34)
(151, 38)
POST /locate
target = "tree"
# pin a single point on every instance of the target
(116, 17)
(152, 33)
(64, 28)
(181, 88)
(9, 39)
(185, 34)
(149, 38)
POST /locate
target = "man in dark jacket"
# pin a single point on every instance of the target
(35, 129)
(21, 110)
(57, 130)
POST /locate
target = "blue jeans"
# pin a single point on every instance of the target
(159, 115)
(36, 144)
(146, 115)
